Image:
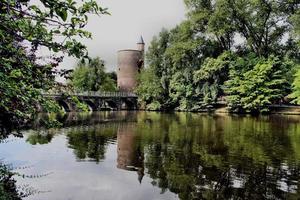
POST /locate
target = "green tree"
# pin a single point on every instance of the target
(296, 88)
(156, 76)
(150, 93)
(211, 76)
(261, 24)
(174, 56)
(182, 90)
(296, 22)
(91, 76)
(27, 26)
(254, 89)
(193, 60)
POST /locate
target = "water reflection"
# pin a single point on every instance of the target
(193, 156)
(72, 119)
(130, 150)
(8, 188)
(90, 142)
(40, 137)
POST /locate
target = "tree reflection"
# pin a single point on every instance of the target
(40, 137)
(201, 156)
(216, 157)
(8, 188)
(90, 142)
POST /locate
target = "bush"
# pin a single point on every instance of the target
(80, 105)
(255, 89)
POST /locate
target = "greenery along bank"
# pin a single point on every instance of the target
(27, 26)
(247, 51)
(91, 76)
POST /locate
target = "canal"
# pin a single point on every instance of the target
(150, 156)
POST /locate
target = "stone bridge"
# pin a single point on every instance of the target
(96, 101)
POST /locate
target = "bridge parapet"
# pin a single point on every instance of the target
(92, 94)
(95, 100)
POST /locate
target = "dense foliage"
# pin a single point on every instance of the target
(296, 88)
(243, 51)
(28, 27)
(255, 88)
(91, 76)
(8, 188)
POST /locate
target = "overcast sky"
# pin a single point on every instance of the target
(128, 20)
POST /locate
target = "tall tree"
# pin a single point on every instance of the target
(263, 24)
(91, 76)
(27, 26)
(296, 88)
(263, 84)
(296, 22)
(150, 94)
(197, 57)
(210, 78)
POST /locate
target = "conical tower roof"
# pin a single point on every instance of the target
(141, 40)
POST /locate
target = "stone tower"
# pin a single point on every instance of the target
(141, 45)
(130, 62)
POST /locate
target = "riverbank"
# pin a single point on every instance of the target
(274, 109)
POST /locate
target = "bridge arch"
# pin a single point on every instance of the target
(64, 105)
(129, 104)
(97, 100)
(111, 104)
(92, 106)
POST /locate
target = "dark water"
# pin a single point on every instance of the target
(139, 155)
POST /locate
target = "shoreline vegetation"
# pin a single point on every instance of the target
(245, 51)
(26, 27)
(273, 109)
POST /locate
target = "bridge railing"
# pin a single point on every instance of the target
(92, 94)
(106, 94)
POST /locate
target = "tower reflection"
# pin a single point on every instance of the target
(130, 151)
